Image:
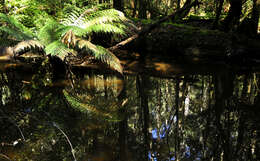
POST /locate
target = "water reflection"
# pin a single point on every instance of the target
(106, 118)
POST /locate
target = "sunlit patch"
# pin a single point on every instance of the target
(163, 67)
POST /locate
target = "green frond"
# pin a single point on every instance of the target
(14, 34)
(101, 54)
(11, 25)
(48, 33)
(24, 46)
(106, 16)
(74, 18)
(92, 20)
(57, 48)
(75, 29)
(107, 28)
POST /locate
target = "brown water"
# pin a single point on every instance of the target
(91, 117)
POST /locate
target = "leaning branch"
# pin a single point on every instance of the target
(150, 27)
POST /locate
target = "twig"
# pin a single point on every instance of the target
(6, 157)
(67, 138)
(14, 123)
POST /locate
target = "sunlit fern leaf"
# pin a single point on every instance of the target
(101, 54)
(57, 48)
(24, 46)
(14, 28)
(93, 21)
(75, 29)
(107, 28)
(48, 33)
(105, 16)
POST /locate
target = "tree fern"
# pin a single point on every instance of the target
(57, 48)
(101, 54)
(96, 21)
(16, 30)
(48, 33)
(24, 46)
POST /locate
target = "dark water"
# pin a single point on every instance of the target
(95, 117)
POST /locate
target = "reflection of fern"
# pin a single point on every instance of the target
(90, 106)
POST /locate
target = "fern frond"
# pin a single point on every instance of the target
(75, 29)
(107, 28)
(48, 33)
(101, 54)
(57, 48)
(106, 16)
(74, 18)
(14, 34)
(11, 25)
(24, 46)
(92, 21)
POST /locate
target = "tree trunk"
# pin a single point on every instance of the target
(142, 9)
(231, 22)
(218, 12)
(135, 8)
(178, 4)
(119, 5)
(255, 15)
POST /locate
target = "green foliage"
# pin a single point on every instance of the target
(92, 105)
(16, 30)
(67, 38)
(87, 21)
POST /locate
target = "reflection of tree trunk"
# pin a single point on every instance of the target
(257, 148)
(95, 140)
(223, 86)
(241, 128)
(219, 105)
(122, 129)
(242, 119)
(142, 80)
(177, 141)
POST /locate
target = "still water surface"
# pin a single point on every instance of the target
(95, 117)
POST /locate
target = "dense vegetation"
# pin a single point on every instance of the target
(106, 80)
